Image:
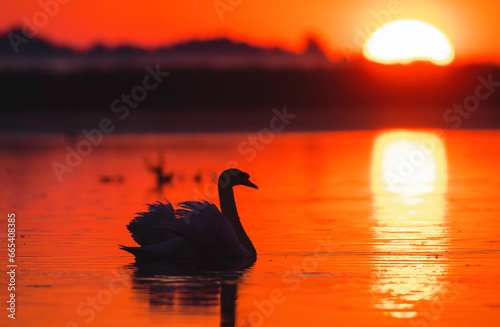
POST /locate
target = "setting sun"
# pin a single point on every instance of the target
(405, 41)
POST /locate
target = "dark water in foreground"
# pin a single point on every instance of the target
(352, 229)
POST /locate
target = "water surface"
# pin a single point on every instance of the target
(347, 233)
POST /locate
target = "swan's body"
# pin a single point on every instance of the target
(195, 229)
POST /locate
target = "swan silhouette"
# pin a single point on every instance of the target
(197, 229)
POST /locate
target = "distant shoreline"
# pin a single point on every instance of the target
(229, 121)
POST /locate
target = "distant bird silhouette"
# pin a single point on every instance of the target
(198, 177)
(195, 230)
(118, 178)
(162, 178)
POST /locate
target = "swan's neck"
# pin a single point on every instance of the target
(228, 209)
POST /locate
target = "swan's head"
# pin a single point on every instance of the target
(233, 177)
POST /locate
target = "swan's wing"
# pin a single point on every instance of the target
(175, 247)
(146, 227)
(204, 225)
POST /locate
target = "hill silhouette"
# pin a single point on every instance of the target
(36, 53)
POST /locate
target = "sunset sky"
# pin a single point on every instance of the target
(472, 26)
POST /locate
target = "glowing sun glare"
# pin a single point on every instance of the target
(405, 41)
(409, 178)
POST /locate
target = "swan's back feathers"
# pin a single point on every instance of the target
(198, 223)
(146, 226)
(204, 225)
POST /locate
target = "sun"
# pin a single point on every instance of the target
(408, 40)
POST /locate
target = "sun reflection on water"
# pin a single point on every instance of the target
(408, 181)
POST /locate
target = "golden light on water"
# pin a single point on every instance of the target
(409, 163)
(408, 181)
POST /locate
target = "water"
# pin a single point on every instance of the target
(343, 237)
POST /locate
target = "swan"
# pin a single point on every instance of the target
(197, 229)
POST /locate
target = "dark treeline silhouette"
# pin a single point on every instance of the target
(226, 85)
(209, 76)
(342, 86)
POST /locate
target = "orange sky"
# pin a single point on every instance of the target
(472, 26)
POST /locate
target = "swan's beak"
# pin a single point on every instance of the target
(250, 184)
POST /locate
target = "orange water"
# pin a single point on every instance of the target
(390, 259)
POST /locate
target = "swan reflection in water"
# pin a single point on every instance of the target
(191, 287)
